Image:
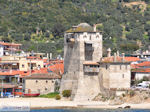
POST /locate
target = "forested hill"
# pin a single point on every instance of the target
(40, 24)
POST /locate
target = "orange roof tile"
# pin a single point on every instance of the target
(145, 63)
(132, 59)
(90, 63)
(9, 44)
(142, 70)
(57, 68)
(13, 72)
(32, 57)
(119, 59)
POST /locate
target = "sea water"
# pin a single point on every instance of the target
(89, 110)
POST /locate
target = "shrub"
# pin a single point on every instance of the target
(66, 93)
(58, 97)
(123, 95)
(131, 93)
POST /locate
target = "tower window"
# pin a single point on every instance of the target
(90, 37)
(88, 51)
(106, 67)
(22, 65)
(126, 67)
(122, 75)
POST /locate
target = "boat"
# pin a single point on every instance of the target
(31, 94)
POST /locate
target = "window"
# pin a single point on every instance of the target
(126, 67)
(22, 65)
(88, 51)
(122, 75)
(90, 37)
(120, 67)
(46, 81)
(45, 89)
(106, 67)
(36, 81)
(97, 36)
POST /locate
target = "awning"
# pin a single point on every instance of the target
(8, 86)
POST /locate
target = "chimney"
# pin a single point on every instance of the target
(123, 55)
(118, 53)
(50, 56)
(108, 52)
(47, 56)
(94, 27)
(115, 57)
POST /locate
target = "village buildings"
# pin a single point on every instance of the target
(9, 48)
(15, 66)
(41, 83)
(84, 71)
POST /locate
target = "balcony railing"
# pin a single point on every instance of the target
(91, 69)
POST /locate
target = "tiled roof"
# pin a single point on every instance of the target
(132, 59)
(141, 70)
(145, 63)
(120, 59)
(13, 72)
(90, 63)
(43, 76)
(9, 44)
(32, 57)
(57, 68)
(8, 86)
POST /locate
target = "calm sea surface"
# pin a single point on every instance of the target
(87, 110)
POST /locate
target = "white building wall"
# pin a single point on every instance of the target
(139, 76)
(1, 50)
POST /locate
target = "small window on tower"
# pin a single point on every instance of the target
(22, 65)
(85, 36)
(106, 66)
(90, 37)
(122, 75)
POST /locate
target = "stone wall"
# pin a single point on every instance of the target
(83, 86)
(44, 86)
(116, 75)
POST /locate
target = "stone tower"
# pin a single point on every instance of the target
(82, 51)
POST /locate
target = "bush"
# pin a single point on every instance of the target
(66, 93)
(131, 93)
(58, 97)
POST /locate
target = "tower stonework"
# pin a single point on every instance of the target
(82, 51)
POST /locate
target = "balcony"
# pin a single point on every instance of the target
(91, 69)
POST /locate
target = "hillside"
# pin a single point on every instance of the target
(40, 24)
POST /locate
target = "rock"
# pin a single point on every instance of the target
(127, 107)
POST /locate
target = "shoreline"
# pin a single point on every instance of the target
(46, 103)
